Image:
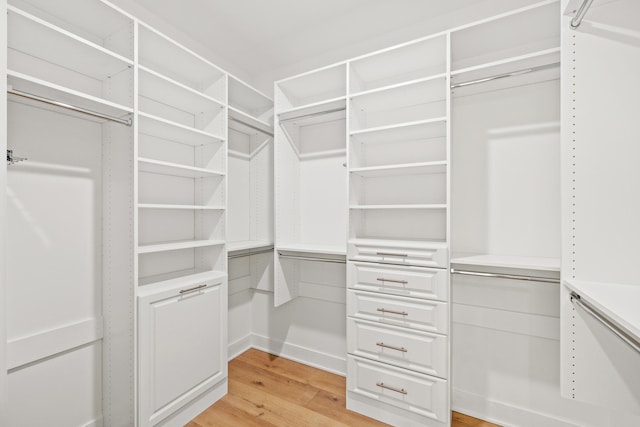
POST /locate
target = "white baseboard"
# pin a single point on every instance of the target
(327, 362)
(238, 347)
(503, 413)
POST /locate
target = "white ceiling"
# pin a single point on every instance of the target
(260, 37)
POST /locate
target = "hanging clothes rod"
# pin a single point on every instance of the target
(249, 125)
(613, 327)
(582, 10)
(310, 258)
(502, 76)
(244, 254)
(505, 276)
(126, 122)
(318, 113)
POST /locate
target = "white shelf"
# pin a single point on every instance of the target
(397, 85)
(181, 244)
(248, 245)
(312, 248)
(247, 124)
(398, 207)
(93, 20)
(35, 86)
(179, 207)
(402, 96)
(403, 169)
(166, 129)
(421, 129)
(162, 89)
(248, 100)
(395, 243)
(173, 60)
(174, 169)
(508, 261)
(317, 86)
(38, 38)
(617, 302)
(154, 284)
(317, 112)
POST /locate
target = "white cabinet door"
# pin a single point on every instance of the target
(182, 334)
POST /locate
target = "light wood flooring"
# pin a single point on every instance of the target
(267, 390)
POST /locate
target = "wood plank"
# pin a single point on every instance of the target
(267, 390)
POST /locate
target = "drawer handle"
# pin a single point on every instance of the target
(401, 313)
(402, 349)
(397, 390)
(195, 288)
(391, 254)
(382, 279)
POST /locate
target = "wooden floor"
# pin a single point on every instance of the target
(266, 390)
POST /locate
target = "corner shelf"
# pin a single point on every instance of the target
(247, 124)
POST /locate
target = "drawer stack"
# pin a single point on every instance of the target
(397, 332)
(398, 251)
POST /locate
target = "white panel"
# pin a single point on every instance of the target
(61, 391)
(3, 222)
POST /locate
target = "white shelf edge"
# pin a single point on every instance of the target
(311, 248)
(399, 207)
(182, 86)
(181, 126)
(548, 264)
(178, 207)
(398, 126)
(506, 61)
(399, 243)
(153, 284)
(234, 110)
(72, 92)
(398, 85)
(69, 34)
(312, 105)
(178, 166)
(183, 244)
(259, 92)
(399, 167)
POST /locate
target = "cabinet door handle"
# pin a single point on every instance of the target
(391, 254)
(401, 313)
(397, 390)
(382, 279)
(381, 344)
(195, 288)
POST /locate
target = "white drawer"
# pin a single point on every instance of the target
(416, 393)
(430, 316)
(416, 282)
(423, 254)
(405, 348)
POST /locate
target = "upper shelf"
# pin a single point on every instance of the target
(508, 262)
(249, 101)
(318, 112)
(409, 61)
(402, 169)
(310, 88)
(247, 124)
(175, 169)
(163, 55)
(166, 129)
(93, 20)
(413, 131)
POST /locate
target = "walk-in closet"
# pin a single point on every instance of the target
(341, 213)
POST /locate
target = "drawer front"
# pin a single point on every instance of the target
(420, 394)
(424, 315)
(395, 254)
(405, 348)
(416, 282)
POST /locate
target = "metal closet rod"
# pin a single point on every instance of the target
(244, 254)
(505, 276)
(582, 10)
(613, 327)
(318, 113)
(502, 76)
(249, 125)
(311, 258)
(126, 122)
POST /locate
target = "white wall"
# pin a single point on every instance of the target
(3, 185)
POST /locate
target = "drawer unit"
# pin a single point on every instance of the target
(424, 315)
(406, 348)
(419, 394)
(416, 282)
(398, 252)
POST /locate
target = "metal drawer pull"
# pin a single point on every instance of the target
(195, 288)
(391, 254)
(382, 279)
(397, 390)
(402, 349)
(401, 313)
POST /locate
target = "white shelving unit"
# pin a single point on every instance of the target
(398, 234)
